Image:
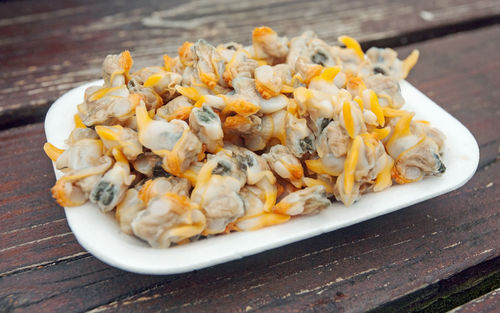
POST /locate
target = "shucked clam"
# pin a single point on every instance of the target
(231, 138)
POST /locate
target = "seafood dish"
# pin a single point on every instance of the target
(229, 138)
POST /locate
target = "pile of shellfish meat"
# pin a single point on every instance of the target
(233, 138)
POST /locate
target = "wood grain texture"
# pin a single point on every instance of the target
(48, 48)
(489, 302)
(350, 270)
(449, 293)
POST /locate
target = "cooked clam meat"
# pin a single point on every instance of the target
(173, 141)
(268, 46)
(128, 209)
(83, 163)
(307, 201)
(240, 64)
(121, 138)
(256, 216)
(285, 164)
(155, 78)
(386, 62)
(312, 49)
(206, 124)
(156, 187)
(150, 165)
(115, 69)
(218, 196)
(267, 82)
(80, 133)
(299, 138)
(151, 99)
(111, 188)
(387, 89)
(108, 106)
(178, 108)
(208, 67)
(168, 219)
(414, 152)
(271, 126)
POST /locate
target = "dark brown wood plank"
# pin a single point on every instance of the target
(489, 302)
(47, 49)
(31, 225)
(354, 269)
(449, 293)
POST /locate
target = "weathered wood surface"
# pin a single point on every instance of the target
(47, 48)
(489, 302)
(358, 268)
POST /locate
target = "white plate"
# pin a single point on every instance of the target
(100, 235)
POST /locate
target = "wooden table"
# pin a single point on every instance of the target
(431, 257)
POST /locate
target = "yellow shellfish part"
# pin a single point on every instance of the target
(311, 182)
(241, 107)
(52, 151)
(260, 221)
(384, 178)
(410, 62)
(376, 109)
(153, 80)
(168, 62)
(59, 193)
(348, 119)
(103, 92)
(190, 92)
(351, 163)
(359, 101)
(181, 113)
(125, 61)
(352, 44)
(328, 74)
(78, 121)
(388, 112)
(184, 52)
(381, 133)
(402, 129)
(318, 167)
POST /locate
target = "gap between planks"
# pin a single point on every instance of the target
(19, 116)
(482, 276)
(449, 293)
(67, 258)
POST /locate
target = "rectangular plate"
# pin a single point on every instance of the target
(100, 235)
